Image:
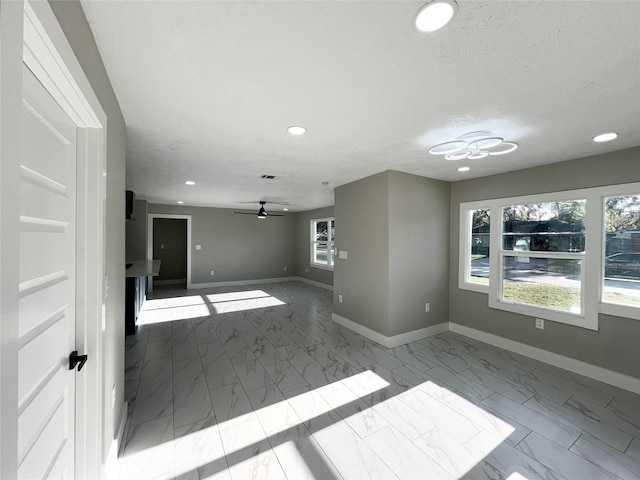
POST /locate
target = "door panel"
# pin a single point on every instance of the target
(46, 387)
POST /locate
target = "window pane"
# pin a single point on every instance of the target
(544, 227)
(542, 282)
(480, 240)
(320, 253)
(622, 250)
(321, 231)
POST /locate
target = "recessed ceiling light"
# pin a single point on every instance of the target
(285, 209)
(189, 182)
(180, 202)
(605, 137)
(296, 130)
(435, 15)
(325, 183)
(464, 169)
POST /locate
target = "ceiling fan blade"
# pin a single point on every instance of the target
(266, 202)
(246, 213)
(275, 215)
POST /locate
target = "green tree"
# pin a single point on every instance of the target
(622, 213)
(481, 218)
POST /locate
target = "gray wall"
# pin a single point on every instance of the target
(615, 345)
(303, 241)
(395, 229)
(136, 233)
(74, 24)
(237, 247)
(418, 251)
(362, 230)
(170, 246)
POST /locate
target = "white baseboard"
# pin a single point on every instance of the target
(175, 281)
(396, 340)
(315, 284)
(117, 444)
(611, 377)
(242, 282)
(259, 281)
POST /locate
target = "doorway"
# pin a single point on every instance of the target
(152, 252)
(170, 246)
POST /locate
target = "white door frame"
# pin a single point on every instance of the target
(30, 33)
(150, 218)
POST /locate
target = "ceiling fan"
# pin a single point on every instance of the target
(262, 213)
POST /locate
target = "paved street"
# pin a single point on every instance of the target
(531, 272)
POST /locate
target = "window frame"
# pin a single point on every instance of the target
(466, 230)
(330, 243)
(609, 308)
(592, 268)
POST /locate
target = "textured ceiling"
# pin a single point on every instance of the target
(208, 90)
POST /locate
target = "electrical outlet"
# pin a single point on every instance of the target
(212, 273)
(306, 269)
(285, 268)
(340, 298)
(198, 247)
(162, 246)
(540, 323)
(427, 307)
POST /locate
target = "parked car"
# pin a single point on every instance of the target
(622, 265)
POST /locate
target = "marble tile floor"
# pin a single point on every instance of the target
(257, 382)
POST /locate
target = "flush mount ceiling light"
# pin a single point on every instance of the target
(189, 182)
(179, 202)
(605, 137)
(296, 130)
(473, 146)
(435, 15)
(464, 169)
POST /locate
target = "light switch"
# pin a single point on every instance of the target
(342, 254)
(162, 246)
(198, 247)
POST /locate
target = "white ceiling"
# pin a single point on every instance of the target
(208, 90)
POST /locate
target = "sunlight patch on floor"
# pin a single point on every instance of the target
(516, 476)
(242, 301)
(247, 304)
(457, 436)
(198, 306)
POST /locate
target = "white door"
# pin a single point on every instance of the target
(46, 386)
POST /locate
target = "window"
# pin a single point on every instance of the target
(322, 232)
(563, 256)
(476, 245)
(541, 255)
(621, 265)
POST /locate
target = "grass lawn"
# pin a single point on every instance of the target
(552, 296)
(482, 280)
(614, 297)
(565, 299)
(558, 298)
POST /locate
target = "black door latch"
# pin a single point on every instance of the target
(75, 359)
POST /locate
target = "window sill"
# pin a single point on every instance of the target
(618, 310)
(588, 321)
(474, 287)
(321, 267)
